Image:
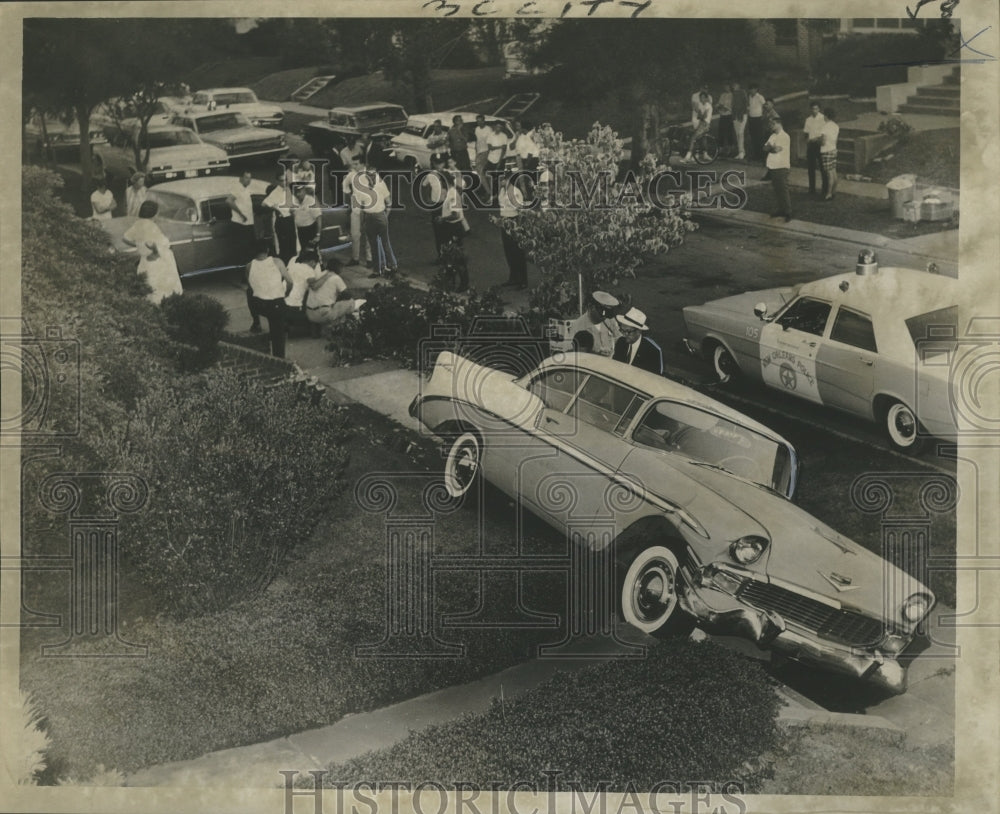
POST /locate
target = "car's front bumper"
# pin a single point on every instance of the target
(721, 613)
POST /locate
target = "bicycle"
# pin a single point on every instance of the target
(678, 137)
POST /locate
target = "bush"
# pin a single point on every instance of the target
(859, 63)
(896, 128)
(688, 710)
(24, 743)
(396, 318)
(196, 320)
(237, 473)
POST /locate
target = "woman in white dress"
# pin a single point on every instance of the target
(156, 260)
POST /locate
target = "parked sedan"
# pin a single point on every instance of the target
(232, 132)
(243, 100)
(873, 343)
(173, 152)
(195, 216)
(57, 136)
(410, 145)
(691, 498)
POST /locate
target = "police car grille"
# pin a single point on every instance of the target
(838, 625)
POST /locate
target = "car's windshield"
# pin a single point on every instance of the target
(418, 130)
(169, 138)
(707, 438)
(244, 98)
(221, 121)
(172, 206)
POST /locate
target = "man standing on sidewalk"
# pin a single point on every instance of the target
(778, 149)
(359, 244)
(755, 123)
(432, 192)
(814, 129)
(739, 107)
(828, 153)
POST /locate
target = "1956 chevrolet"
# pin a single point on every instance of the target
(695, 502)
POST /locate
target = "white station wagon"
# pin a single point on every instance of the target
(875, 343)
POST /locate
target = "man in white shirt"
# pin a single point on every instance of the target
(359, 245)
(828, 153)
(102, 202)
(482, 134)
(778, 149)
(813, 127)
(373, 197)
(432, 192)
(704, 121)
(323, 303)
(599, 322)
(266, 280)
(241, 203)
(696, 101)
(308, 216)
(511, 202)
(278, 202)
(527, 149)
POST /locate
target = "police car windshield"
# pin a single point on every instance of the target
(222, 121)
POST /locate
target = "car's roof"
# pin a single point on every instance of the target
(363, 108)
(656, 386)
(890, 292)
(225, 90)
(208, 186)
(202, 113)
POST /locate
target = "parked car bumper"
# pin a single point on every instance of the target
(157, 175)
(720, 612)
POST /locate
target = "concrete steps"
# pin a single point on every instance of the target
(936, 100)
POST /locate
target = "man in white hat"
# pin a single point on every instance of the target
(634, 347)
(599, 321)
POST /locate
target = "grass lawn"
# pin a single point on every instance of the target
(282, 661)
(847, 212)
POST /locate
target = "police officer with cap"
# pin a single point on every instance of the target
(599, 320)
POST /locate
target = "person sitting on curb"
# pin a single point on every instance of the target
(323, 305)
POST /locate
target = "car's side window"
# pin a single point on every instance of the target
(556, 388)
(855, 329)
(216, 209)
(806, 315)
(606, 405)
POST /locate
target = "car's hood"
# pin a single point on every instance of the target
(185, 154)
(743, 304)
(804, 551)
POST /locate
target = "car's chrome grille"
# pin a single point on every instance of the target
(838, 625)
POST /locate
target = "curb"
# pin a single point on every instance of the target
(791, 718)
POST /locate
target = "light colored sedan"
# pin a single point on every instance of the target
(875, 343)
(166, 152)
(244, 100)
(231, 131)
(691, 499)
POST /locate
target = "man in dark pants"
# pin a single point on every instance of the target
(778, 148)
(432, 190)
(266, 287)
(241, 204)
(634, 347)
(511, 201)
(815, 122)
(755, 123)
(458, 143)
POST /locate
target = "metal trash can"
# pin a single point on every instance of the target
(935, 205)
(901, 191)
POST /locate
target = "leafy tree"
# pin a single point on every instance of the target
(416, 47)
(594, 227)
(646, 63)
(75, 64)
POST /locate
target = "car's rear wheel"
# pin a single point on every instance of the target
(461, 468)
(648, 593)
(902, 428)
(726, 369)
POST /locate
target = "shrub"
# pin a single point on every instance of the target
(196, 320)
(237, 473)
(688, 710)
(896, 128)
(24, 743)
(397, 318)
(859, 63)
